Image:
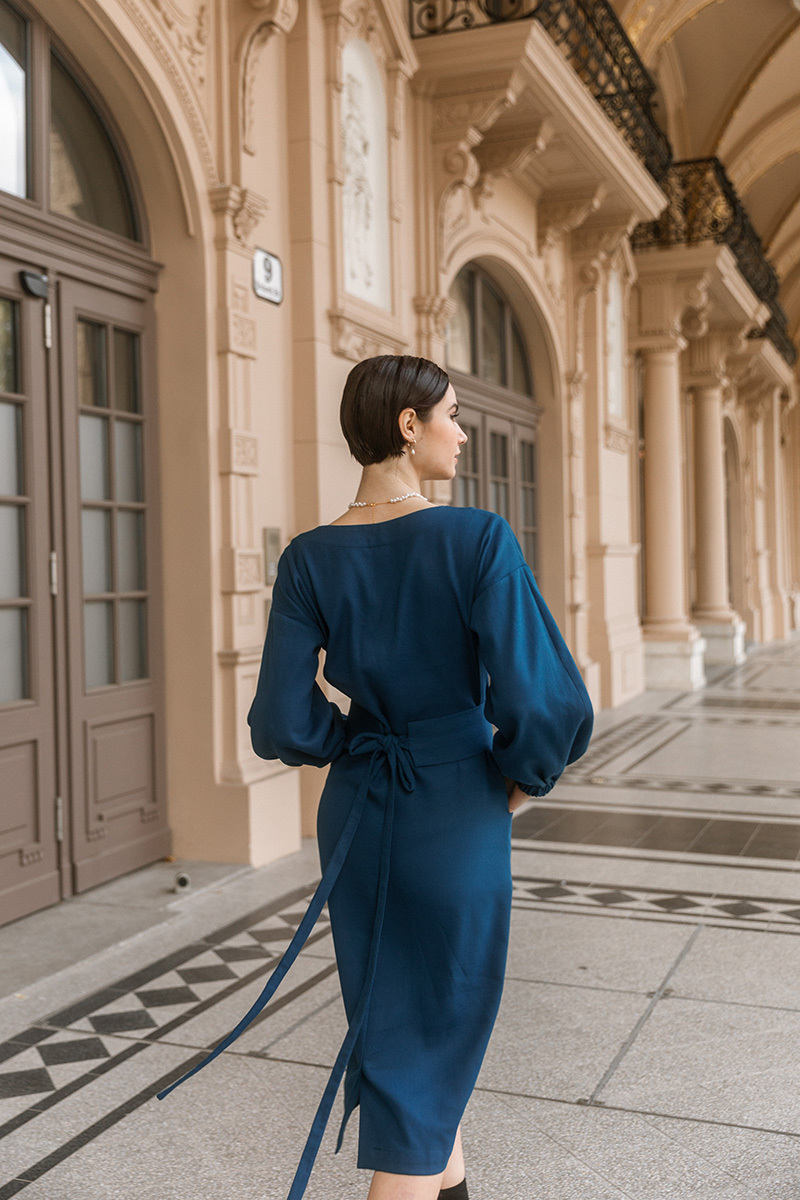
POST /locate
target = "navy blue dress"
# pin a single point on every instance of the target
(434, 627)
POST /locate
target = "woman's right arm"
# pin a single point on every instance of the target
(535, 695)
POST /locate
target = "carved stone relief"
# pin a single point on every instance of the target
(274, 16)
(365, 184)
(149, 17)
(188, 32)
(355, 339)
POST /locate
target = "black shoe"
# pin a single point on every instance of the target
(459, 1192)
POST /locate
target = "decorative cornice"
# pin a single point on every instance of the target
(355, 339)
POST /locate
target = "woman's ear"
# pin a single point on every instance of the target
(406, 422)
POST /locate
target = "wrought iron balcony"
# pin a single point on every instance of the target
(704, 206)
(590, 35)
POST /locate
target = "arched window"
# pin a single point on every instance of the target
(86, 180)
(488, 361)
(484, 337)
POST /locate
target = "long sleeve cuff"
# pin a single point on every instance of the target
(537, 789)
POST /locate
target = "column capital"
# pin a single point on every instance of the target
(671, 305)
(666, 343)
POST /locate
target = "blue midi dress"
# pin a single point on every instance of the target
(435, 629)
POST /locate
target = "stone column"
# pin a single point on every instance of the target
(776, 533)
(722, 628)
(673, 648)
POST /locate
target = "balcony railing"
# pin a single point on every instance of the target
(704, 206)
(591, 37)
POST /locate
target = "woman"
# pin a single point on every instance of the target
(434, 627)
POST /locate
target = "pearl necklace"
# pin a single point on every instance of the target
(374, 503)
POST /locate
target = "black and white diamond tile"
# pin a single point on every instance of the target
(65, 1050)
(36, 1072)
(659, 904)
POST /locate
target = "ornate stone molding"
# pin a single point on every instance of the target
(433, 315)
(275, 16)
(242, 207)
(559, 215)
(242, 570)
(164, 52)
(667, 305)
(355, 339)
(238, 452)
(459, 124)
(189, 35)
(618, 439)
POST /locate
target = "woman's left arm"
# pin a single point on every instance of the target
(291, 718)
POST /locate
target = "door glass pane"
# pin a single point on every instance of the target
(126, 371)
(13, 655)
(94, 458)
(132, 640)
(492, 365)
(128, 460)
(130, 551)
(13, 115)
(459, 354)
(92, 373)
(96, 546)
(467, 478)
(528, 502)
(86, 179)
(12, 551)
(9, 354)
(520, 372)
(97, 643)
(499, 480)
(10, 450)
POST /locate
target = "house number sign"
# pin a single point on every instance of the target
(267, 276)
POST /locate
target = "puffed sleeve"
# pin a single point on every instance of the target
(535, 697)
(290, 717)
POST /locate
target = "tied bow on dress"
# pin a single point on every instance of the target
(393, 750)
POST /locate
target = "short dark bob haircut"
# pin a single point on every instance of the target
(376, 392)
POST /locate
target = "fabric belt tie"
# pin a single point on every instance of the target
(435, 741)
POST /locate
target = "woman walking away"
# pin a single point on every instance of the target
(434, 627)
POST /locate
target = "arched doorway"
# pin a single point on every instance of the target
(487, 358)
(81, 708)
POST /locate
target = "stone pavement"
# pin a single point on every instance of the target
(648, 1044)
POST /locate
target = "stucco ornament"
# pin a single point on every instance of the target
(275, 16)
(365, 177)
(358, 197)
(189, 34)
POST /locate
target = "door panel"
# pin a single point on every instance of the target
(29, 867)
(498, 470)
(114, 660)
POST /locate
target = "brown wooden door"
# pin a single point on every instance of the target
(113, 648)
(29, 860)
(82, 795)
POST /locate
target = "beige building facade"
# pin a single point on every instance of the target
(210, 210)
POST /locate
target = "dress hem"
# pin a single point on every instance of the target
(378, 1160)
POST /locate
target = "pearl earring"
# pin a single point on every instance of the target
(412, 445)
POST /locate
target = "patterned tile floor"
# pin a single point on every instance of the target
(647, 1042)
